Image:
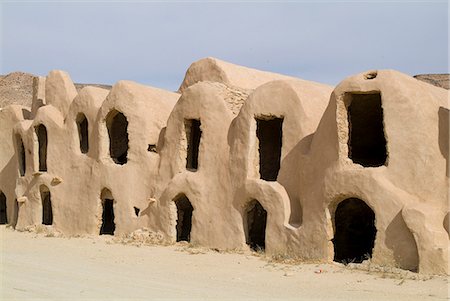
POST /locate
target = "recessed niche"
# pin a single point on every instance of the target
(193, 135)
(117, 125)
(83, 132)
(41, 132)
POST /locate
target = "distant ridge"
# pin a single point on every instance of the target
(17, 88)
(438, 80)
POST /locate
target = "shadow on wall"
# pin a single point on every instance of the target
(3, 213)
(446, 224)
(401, 241)
(289, 173)
(443, 135)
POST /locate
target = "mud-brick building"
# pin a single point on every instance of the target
(236, 159)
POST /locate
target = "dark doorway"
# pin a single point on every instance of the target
(41, 133)
(83, 132)
(47, 212)
(270, 136)
(3, 213)
(21, 155)
(256, 217)
(366, 143)
(184, 218)
(193, 135)
(117, 125)
(354, 236)
(108, 226)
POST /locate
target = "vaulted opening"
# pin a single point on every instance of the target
(256, 220)
(117, 125)
(108, 226)
(193, 135)
(47, 212)
(83, 132)
(354, 231)
(21, 155)
(3, 212)
(270, 135)
(184, 218)
(366, 142)
(41, 133)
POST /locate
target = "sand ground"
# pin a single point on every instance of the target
(37, 267)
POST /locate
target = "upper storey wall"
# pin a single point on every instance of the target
(410, 124)
(215, 70)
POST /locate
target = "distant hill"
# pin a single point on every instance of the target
(438, 80)
(17, 88)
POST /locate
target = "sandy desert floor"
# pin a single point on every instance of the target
(37, 267)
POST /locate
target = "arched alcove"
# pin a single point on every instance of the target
(354, 231)
(184, 218)
(83, 132)
(255, 221)
(117, 125)
(3, 212)
(21, 155)
(193, 136)
(108, 225)
(47, 211)
(41, 132)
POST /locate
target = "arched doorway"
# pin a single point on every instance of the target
(117, 125)
(47, 212)
(3, 213)
(184, 218)
(41, 133)
(108, 226)
(255, 225)
(354, 231)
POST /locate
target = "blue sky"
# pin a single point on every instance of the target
(155, 42)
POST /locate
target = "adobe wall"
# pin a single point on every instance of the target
(245, 145)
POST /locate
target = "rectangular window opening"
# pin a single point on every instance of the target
(193, 135)
(366, 141)
(270, 136)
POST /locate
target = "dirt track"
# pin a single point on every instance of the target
(49, 268)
